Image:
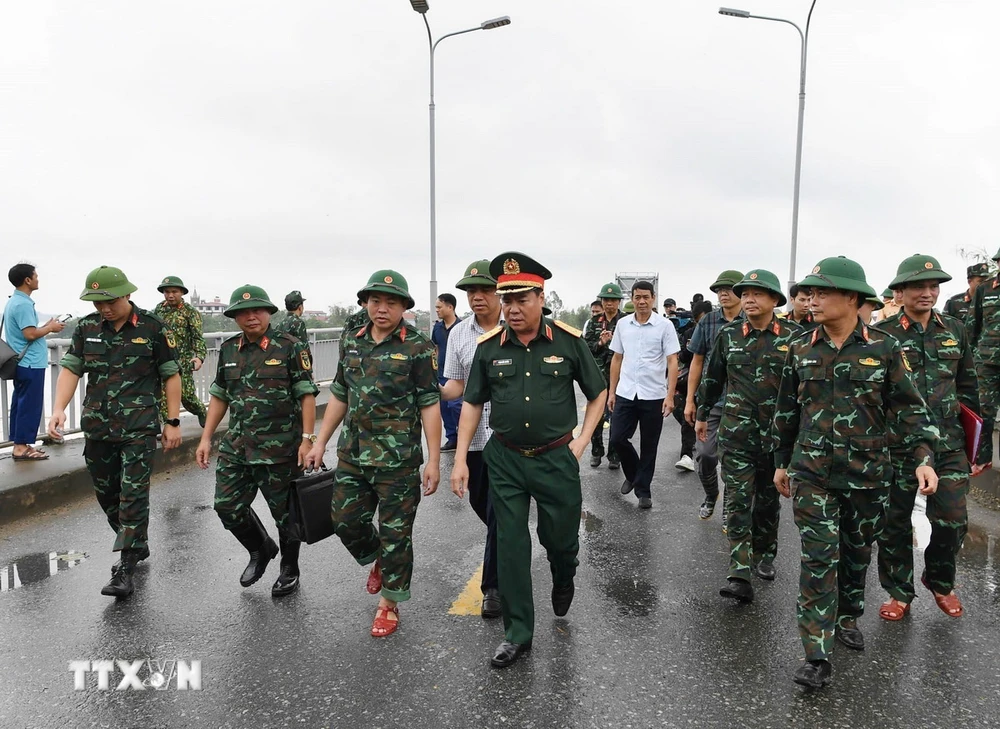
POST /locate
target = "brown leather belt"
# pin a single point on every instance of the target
(532, 451)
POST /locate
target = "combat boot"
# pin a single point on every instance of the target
(253, 536)
(121, 580)
(288, 579)
(143, 554)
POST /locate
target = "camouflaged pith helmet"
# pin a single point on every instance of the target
(918, 268)
(978, 269)
(172, 282)
(477, 274)
(248, 296)
(293, 300)
(726, 279)
(610, 291)
(387, 281)
(761, 279)
(629, 307)
(106, 284)
(841, 273)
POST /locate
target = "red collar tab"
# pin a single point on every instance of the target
(264, 342)
(904, 321)
(242, 342)
(503, 336)
(966, 298)
(548, 332)
(134, 319)
(776, 327)
(402, 334)
(746, 328)
(938, 319)
(864, 332)
(361, 331)
(996, 281)
(815, 336)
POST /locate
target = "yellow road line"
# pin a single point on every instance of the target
(470, 601)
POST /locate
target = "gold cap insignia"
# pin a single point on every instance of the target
(95, 285)
(928, 265)
(388, 279)
(246, 295)
(816, 270)
(753, 275)
(609, 289)
(166, 279)
(473, 271)
(511, 267)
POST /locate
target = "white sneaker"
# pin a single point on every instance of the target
(685, 463)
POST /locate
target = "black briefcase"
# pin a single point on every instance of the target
(309, 500)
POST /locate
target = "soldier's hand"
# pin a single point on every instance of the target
(781, 482)
(204, 451)
(701, 430)
(432, 477)
(314, 458)
(927, 480)
(668, 406)
(196, 363)
(689, 412)
(56, 422)
(304, 450)
(459, 478)
(979, 468)
(171, 437)
(605, 338)
(578, 446)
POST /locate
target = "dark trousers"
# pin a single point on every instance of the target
(647, 415)
(26, 405)
(687, 430)
(450, 412)
(708, 456)
(479, 499)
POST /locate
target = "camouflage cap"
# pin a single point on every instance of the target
(761, 279)
(249, 296)
(387, 281)
(172, 282)
(516, 272)
(918, 268)
(610, 291)
(979, 269)
(839, 272)
(726, 280)
(477, 274)
(293, 300)
(106, 284)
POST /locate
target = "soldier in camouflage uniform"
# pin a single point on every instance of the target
(746, 364)
(264, 379)
(127, 354)
(292, 322)
(841, 385)
(386, 388)
(184, 322)
(357, 320)
(983, 324)
(958, 305)
(598, 339)
(937, 349)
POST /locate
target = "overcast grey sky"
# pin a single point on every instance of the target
(285, 144)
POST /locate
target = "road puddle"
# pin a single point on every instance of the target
(36, 567)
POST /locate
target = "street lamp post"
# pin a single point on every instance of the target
(804, 38)
(422, 7)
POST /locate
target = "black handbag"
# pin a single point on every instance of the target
(9, 358)
(309, 498)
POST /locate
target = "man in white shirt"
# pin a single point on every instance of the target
(643, 384)
(481, 289)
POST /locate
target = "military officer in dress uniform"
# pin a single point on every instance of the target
(958, 305)
(525, 369)
(598, 337)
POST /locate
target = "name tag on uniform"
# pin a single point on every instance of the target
(140, 340)
(398, 356)
(501, 362)
(869, 362)
(808, 362)
(273, 362)
(94, 339)
(552, 360)
(230, 364)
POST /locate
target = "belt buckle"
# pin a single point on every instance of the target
(529, 452)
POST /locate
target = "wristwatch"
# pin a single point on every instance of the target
(309, 437)
(175, 422)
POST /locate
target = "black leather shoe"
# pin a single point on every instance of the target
(706, 509)
(562, 598)
(506, 653)
(614, 464)
(851, 636)
(814, 674)
(449, 446)
(737, 589)
(288, 578)
(626, 486)
(595, 461)
(491, 604)
(143, 554)
(645, 502)
(121, 584)
(765, 569)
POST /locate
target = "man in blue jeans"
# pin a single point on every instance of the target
(23, 334)
(447, 319)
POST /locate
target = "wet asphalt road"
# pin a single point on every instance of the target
(648, 641)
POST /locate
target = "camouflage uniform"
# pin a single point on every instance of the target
(385, 386)
(746, 365)
(184, 323)
(293, 325)
(830, 427)
(958, 305)
(124, 372)
(983, 324)
(356, 320)
(602, 354)
(944, 373)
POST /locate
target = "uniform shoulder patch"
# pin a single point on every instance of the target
(489, 335)
(567, 328)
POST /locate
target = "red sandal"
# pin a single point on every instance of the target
(374, 584)
(893, 610)
(382, 626)
(950, 604)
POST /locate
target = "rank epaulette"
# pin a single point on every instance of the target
(567, 328)
(489, 335)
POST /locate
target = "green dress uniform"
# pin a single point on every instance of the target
(745, 365)
(983, 324)
(124, 370)
(385, 385)
(533, 406)
(830, 423)
(943, 370)
(603, 354)
(184, 323)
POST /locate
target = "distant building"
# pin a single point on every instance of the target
(410, 318)
(209, 308)
(315, 314)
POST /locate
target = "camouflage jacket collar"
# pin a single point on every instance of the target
(774, 327)
(263, 343)
(860, 334)
(131, 320)
(907, 323)
(509, 336)
(400, 332)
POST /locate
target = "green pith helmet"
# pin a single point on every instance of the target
(978, 269)
(629, 307)
(249, 296)
(610, 291)
(106, 284)
(172, 282)
(918, 268)
(839, 272)
(387, 281)
(726, 279)
(761, 279)
(477, 274)
(876, 302)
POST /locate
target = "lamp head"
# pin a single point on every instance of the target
(420, 6)
(495, 23)
(734, 13)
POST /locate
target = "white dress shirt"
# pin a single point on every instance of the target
(644, 349)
